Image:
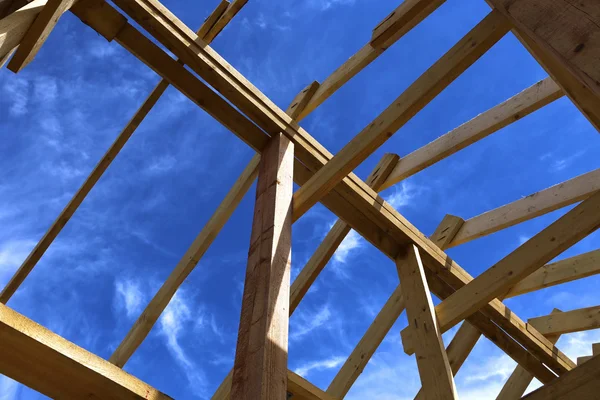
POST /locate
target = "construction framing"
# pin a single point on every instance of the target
(563, 38)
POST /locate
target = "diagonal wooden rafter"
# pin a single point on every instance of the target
(579, 320)
(483, 125)
(50, 364)
(110, 26)
(352, 199)
(468, 50)
(14, 26)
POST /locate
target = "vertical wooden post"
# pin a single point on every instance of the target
(260, 368)
(432, 361)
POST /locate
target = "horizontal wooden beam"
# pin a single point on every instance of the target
(562, 271)
(55, 367)
(14, 26)
(406, 16)
(460, 57)
(582, 383)
(352, 200)
(526, 259)
(540, 203)
(483, 125)
(579, 320)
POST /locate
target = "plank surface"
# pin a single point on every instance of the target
(225, 18)
(214, 16)
(579, 320)
(434, 369)
(260, 368)
(55, 367)
(483, 125)
(529, 257)
(142, 326)
(446, 230)
(460, 57)
(558, 272)
(14, 27)
(534, 205)
(38, 33)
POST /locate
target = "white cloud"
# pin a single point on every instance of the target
(578, 344)
(403, 195)
(45, 89)
(304, 323)
(353, 241)
(129, 296)
(17, 90)
(523, 239)
(499, 367)
(12, 254)
(327, 4)
(320, 365)
(9, 389)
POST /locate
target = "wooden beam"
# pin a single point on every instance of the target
(520, 378)
(579, 320)
(582, 383)
(405, 17)
(214, 16)
(432, 361)
(38, 33)
(14, 26)
(532, 206)
(562, 271)
(596, 349)
(418, 95)
(483, 125)
(352, 200)
(564, 39)
(111, 24)
(362, 353)
(529, 257)
(335, 236)
(8, 7)
(260, 368)
(446, 230)
(301, 100)
(142, 326)
(583, 359)
(225, 18)
(55, 367)
(4, 60)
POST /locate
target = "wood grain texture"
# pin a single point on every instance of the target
(260, 368)
(213, 17)
(225, 18)
(446, 230)
(483, 125)
(14, 27)
(579, 320)
(55, 367)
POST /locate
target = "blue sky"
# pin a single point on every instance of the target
(61, 113)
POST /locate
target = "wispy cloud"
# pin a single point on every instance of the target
(17, 89)
(9, 389)
(352, 242)
(304, 322)
(129, 297)
(403, 195)
(320, 365)
(12, 254)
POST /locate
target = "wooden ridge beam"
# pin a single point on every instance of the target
(558, 272)
(582, 383)
(405, 17)
(14, 27)
(579, 320)
(567, 46)
(483, 125)
(223, 20)
(553, 198)
(460, 57)
(352, 200)
(366, 347)
(212, 18)
(109, 27)
(55, 367)
(38, 33)
(142, 326)
(529, 257)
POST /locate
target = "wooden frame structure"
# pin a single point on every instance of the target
(566, 46)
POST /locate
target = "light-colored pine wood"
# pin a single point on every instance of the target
(225, 18)
(111, 25)
(362, 353)
(527, 258)
(446, 230)
(564, 39)
(579, 320)
(14, 27)
(520, 379)
(483, 125)
(214, 16)
(401, 20)
(418, 95)
(582, 383)
(142, 326)
(38, 33)
(432, 361)
(55, 367)
(534, 205)
(352, 200)
(558, 272)
(301, 100)
(260, 368)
